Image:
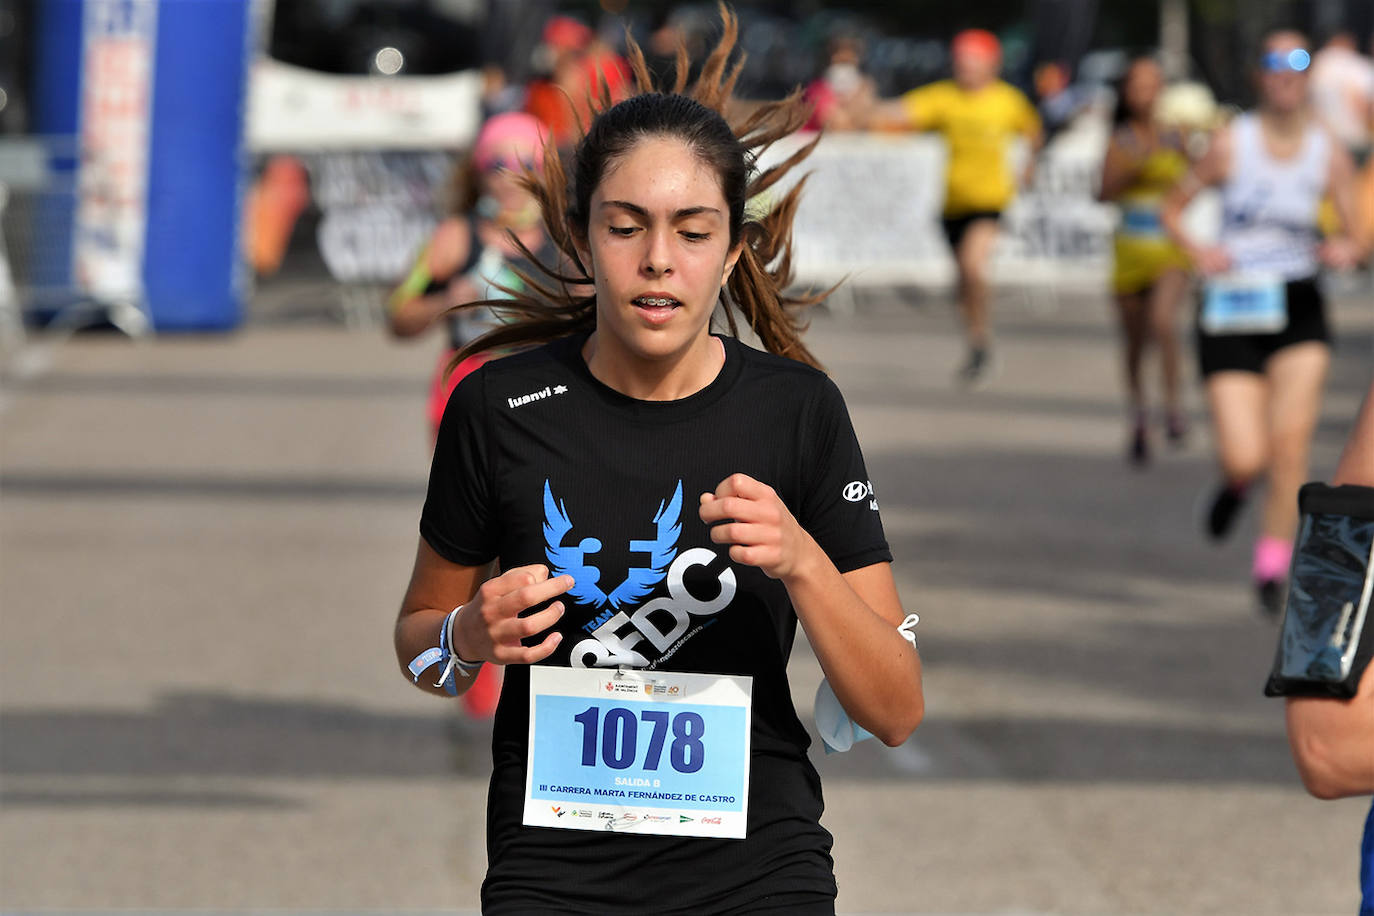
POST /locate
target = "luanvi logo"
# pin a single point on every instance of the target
(541, 394)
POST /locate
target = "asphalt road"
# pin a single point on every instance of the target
(203, 541)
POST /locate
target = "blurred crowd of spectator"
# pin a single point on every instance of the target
(550, 65)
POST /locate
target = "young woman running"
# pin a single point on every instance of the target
(634, 515)
(1142, 163)
(1262, 336)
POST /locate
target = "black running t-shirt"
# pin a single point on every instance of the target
(538, 462)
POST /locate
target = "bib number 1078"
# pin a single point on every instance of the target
(619, 738)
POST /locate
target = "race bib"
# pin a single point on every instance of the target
(1247, 303)
(638, 752)
(1141, 222)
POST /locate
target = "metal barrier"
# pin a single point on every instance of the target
(378, 209)
(38, 202)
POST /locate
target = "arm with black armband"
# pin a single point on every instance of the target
(1326, 638)
(1326, 635)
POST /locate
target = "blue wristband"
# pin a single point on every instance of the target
(444, 654)
(425, 660)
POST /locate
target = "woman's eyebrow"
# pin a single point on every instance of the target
(636, 209)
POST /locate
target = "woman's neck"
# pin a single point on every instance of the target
(1284, 124)
(668, 379)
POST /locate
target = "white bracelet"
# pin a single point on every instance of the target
(455, 662)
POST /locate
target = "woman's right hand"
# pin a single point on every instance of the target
(1212, 259)
(490, 629)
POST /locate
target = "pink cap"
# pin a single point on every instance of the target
(511, 139)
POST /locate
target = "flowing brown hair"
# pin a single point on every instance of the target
(548, 308)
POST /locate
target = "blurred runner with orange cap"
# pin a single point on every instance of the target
(979, 115)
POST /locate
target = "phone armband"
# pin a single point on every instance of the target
(1326, 638)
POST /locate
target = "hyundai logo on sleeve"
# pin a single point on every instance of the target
(859, 490)
(856, 490)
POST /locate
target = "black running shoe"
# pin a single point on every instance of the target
(1271, 594)
(977, 371)
(1139, 454)
(1176, 428)
(1222, 510)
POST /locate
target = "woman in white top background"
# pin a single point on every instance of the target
(1262, 337)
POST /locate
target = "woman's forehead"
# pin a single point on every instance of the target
(1144, 68)
(662, 168)
(1283, 41)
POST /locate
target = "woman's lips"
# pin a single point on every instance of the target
(656, 309)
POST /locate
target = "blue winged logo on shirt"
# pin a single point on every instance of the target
(573, 559)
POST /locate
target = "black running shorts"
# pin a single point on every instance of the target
(1249, 352)
(956, 226)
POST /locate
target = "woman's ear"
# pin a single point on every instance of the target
(731, 259)
(584, 252)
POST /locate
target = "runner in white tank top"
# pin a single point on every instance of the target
(1262, 337)
(1269, 205)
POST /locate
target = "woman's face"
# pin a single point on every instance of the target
(658, 246)
(1142, 88)
(1283, 73)
(502, 184)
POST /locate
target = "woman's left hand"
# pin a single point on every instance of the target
(751, 518)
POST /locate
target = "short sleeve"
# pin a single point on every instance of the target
(1026, 119)
(923, 106)
(839, 505)
(458, 520)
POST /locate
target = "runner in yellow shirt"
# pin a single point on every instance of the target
(979, 116)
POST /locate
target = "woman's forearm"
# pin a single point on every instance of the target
(874, 671)
(1333, 740)
(417, 632)
(414, 316)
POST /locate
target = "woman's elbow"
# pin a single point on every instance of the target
(1319, 768)
(896, 732)
(402, 326)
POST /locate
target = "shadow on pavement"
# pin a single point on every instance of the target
(155, 484)
(348, 387)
